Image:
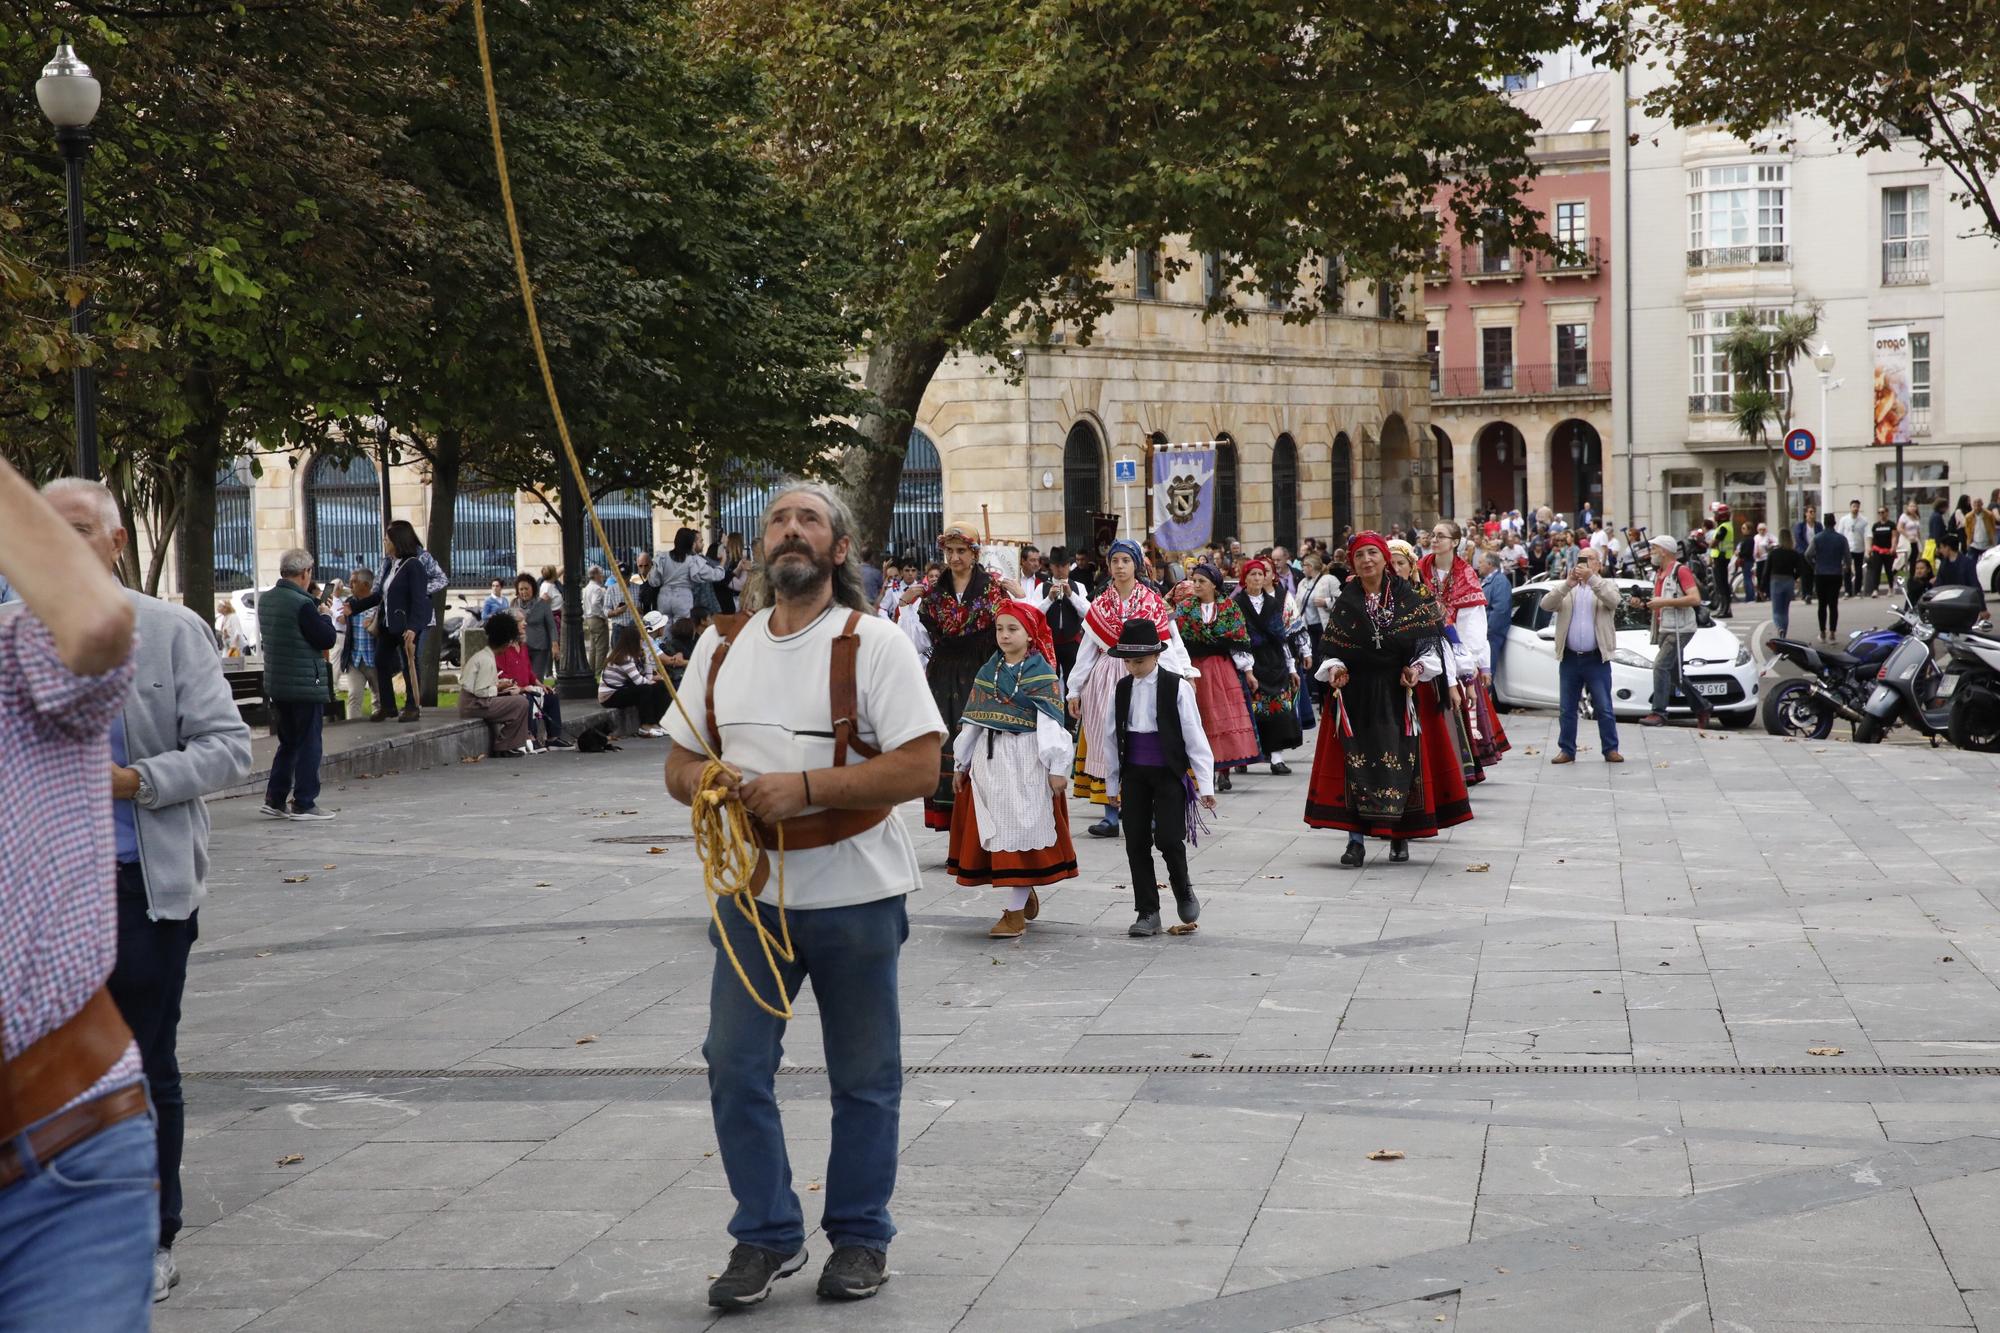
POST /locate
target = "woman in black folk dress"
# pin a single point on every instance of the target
(1276, 665)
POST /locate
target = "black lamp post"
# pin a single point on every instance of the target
(69, 96)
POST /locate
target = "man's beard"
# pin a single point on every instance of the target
(794, 579)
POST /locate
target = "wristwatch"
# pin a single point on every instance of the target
(146, 793)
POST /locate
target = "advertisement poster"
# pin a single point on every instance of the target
(1892, 384)
(1183, 497)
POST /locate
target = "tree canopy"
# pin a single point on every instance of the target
(988, 156)
(1924, 74)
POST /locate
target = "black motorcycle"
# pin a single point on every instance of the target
(1836, 683)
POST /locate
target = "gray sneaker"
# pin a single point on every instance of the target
(310, 812)
(1147, 925)
(274, 811)
(1189, 907)
(166, 1274)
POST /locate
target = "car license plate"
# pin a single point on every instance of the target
(1711, 687)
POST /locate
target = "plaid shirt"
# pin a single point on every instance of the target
(58, 879)
(359, 627)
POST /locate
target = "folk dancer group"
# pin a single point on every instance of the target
(1169, 698)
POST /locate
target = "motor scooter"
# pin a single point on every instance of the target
(1912, 688)
(1975, 701)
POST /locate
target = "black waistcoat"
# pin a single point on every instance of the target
(1172, 745)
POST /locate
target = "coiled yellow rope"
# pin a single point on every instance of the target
(724, 836)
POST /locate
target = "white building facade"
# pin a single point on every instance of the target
(1712, 225)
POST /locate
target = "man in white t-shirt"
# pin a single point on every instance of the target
(851, 863)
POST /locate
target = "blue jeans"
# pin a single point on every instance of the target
(1576, 673)
(77, 1235)
(850, 954)
(1783, 589)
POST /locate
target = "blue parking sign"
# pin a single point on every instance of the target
(1125, 471)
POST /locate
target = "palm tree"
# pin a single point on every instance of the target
(1760, 364)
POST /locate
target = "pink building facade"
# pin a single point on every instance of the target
(1520, 343)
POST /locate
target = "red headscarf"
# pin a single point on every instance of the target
(1374, 539)
(1033, 621)
(1258, 563)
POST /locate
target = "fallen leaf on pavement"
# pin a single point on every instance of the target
(291, 1159)
(329, 867)
(543, 884)
(297, 879)
(1824, 1050)
(656, 851)
(263, 953)
(1185, 928)
(1659, 765)
(1478, 867)
(1199, 1055)
(1291, 893)
(813, 1188)
(585, 1041)
(473, 759)
(1532, 750)
(1945, 959)
(1274, 877)
(1386, 1155)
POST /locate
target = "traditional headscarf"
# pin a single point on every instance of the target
(1398, 546)
(961, 530)
(1126, 546)
(1033, 621)
(1361, 539)
(1211, 573)
(1243, 571)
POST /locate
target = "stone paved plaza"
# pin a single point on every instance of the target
(444, 1061)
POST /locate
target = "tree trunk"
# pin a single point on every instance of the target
(128, 559)
(197, 525)
(447, 462)
(169, 512)
(1781, 489)
(897, 376)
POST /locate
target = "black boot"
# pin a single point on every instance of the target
(1353, 856)
(1399, 850)
(1222, 782)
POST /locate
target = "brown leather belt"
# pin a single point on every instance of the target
(60, 1133)
(820, 829)
(64, 1064)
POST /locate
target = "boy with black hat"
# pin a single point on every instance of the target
(1160, 740)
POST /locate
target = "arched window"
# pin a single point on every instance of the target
(1343, 484)
(1285, 494)
(235, 529)
(919, 515)
(1083, 486)
(1228, 521)
(483, 545)
(628, 520)
(343, 515)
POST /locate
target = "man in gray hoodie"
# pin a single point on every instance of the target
(178, 739)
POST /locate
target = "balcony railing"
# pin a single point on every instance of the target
(1739, 256)
(1437, 267)
(1574, 258)
(1592, 378)
(1482, 263)
(1906, 263)
(1710, 404)
(1920, 420)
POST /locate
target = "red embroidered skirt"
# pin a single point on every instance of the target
(973, 864)
(1225, 716)
(1438, 801)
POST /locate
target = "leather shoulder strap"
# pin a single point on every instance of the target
(844, 692)
(726, 628)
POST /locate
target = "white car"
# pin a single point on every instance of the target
(1989, 570)
(1718, 663)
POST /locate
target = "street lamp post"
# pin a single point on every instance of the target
(1823, 362)
(69, 97)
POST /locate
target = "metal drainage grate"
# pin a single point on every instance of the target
(648, 839)
(1475, 1071)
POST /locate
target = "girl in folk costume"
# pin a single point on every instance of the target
(1212, 627)
(1013, 751)
(953, 627)
(1277, 659)
(1097, 674)
(1386, 765)
(1463, 601)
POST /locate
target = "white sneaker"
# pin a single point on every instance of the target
(166, 1274)
(273, 811)
(654, 732)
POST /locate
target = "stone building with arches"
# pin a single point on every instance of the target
(1319, 425)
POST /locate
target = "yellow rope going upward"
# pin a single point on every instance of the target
(725, 839)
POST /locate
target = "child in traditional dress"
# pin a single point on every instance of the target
(1013, 751)
(1158, 740)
